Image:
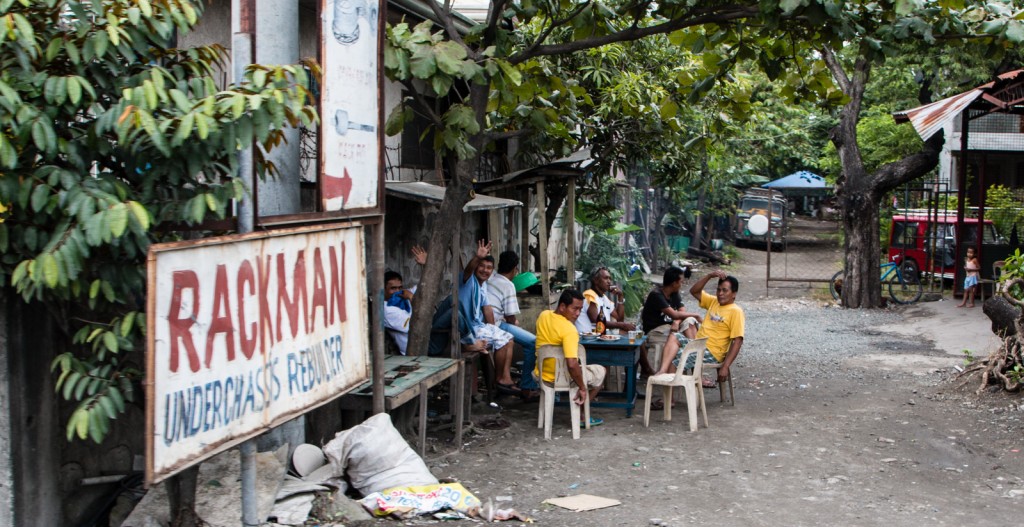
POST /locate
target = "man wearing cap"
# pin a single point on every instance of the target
(505, 305)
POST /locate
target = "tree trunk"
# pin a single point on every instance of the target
(861, 193)
(658, 211)
(456, 195)
(862, 285)
(698, 224)
(1004, 316)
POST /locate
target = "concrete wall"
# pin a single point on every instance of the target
(29, 471)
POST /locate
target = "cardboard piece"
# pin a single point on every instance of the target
(583, 502)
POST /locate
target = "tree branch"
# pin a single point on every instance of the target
(422, 103)
(838, 73)
(444, 17)
(727, 14)
(554, 24)
(499, 136)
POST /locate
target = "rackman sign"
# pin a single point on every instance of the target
(246, 332)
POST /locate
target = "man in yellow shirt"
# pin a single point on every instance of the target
(557, 328)
(723, 326)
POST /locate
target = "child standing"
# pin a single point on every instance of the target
(971, 266)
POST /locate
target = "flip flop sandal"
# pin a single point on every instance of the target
(508, 389)
(708, 383)
(594, 421)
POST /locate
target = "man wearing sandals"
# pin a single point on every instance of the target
(557, 328)
(474, 302)
(505, 307)
(723, 327)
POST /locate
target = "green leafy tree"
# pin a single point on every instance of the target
(863, 36)
(112, 139)
(499, 80)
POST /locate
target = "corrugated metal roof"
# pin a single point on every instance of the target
(427, 193)
(931, 118)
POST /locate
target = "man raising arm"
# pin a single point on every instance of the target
(724, 322)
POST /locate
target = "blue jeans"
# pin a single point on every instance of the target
(529, 343)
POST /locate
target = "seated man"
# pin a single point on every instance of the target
(603, 302)
(505, 306)
(723, 327)
(664, 306)
(475, 308)
(398, 303)
(556, 328)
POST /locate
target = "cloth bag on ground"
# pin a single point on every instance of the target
(376, 457)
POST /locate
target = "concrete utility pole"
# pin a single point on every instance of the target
(267, 31)
(277, 43)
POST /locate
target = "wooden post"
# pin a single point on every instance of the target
(376, 276)
(494, 232)
(542, 243)
(569, 224)
(524, 232)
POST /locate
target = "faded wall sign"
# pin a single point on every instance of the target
(247, 331)
(350, 116)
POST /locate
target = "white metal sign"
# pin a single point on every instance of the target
(246, 332)
(350, 103)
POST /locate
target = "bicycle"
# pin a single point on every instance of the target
(905, 285)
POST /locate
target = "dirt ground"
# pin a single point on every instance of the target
(885, 435)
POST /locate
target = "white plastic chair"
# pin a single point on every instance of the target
(563, 383)
(656, 339)
(690, 383)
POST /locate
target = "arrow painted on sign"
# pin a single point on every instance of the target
(334, 187)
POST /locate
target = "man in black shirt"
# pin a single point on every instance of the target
(664, 305)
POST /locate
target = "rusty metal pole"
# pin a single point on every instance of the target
(376, 276)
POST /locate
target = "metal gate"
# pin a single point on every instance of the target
(810, 250)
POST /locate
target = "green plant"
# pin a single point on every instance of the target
(1016, 373)
(603, 250)
(968, 357)
(1014, 268)
(109, 138)
(1004, 208)
(732, 254)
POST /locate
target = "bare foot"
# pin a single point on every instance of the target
(960, 305)
(970, 305)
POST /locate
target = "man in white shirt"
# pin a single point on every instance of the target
(502, 299)
(603, 301)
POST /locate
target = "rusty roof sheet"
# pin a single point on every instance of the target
(932, 117)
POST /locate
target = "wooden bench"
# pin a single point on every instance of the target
(404, 379)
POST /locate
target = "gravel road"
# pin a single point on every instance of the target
(839, 420)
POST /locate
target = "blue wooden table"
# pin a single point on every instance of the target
(610, 353)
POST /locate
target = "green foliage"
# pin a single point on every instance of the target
(1005, 208)
(603, 249)
(1014, 268)
(968, 357)
(110, 138)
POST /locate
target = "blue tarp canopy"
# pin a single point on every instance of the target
(798, 180)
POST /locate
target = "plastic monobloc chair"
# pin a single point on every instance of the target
(563, 383)
(690, 383)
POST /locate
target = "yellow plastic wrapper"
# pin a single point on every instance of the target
(406, 502)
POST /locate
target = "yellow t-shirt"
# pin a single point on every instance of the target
(721, 325)
(555, 330)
